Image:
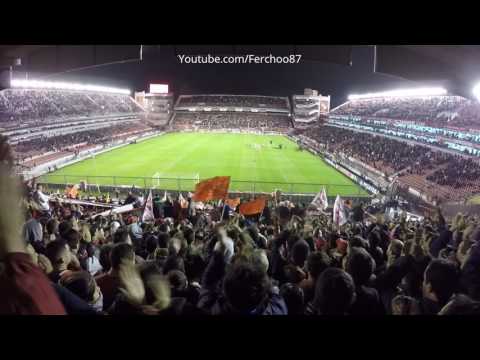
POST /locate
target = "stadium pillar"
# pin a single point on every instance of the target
(65, 179)
(291, 188)
(115, 181)
(178, 184)
(144, 182)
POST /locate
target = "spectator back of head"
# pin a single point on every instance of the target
(294, 298)
(121, 252)
(104, 257)
(72, 237)
(441, 280)
(82, 284)
(360, 265)
(58, 254)
(245, 286)
(122, 236)
(334, 292)
(177, 280)
(317, 262)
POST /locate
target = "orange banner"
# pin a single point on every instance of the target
(233, 203)
(253, 207)
(212, 189)
(71, 192)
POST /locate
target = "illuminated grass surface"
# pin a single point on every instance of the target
(261, 168)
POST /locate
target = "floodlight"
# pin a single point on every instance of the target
(40, 84)
(401, 93)
(476, 91)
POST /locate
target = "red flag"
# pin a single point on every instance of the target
(232, 203)
(212, 189)
(253, 207)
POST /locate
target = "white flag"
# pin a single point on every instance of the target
(182, 201)
(339, 213)
(320, 201)
(148, 211)
(164, 196)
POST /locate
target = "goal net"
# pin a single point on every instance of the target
(175, 181)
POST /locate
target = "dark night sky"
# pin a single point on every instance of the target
(261, 79)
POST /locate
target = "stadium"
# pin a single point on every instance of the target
(284, 187)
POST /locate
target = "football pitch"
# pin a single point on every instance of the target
(174, 161)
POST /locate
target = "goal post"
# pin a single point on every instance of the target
(171, 181)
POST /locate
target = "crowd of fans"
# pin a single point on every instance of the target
(458, 172)
(394, 156)
(234, 100)
(443, 111)
(217, 121)
(43, 144)
(461, 141)
(70, 260)
(31, 106)
(378, 151)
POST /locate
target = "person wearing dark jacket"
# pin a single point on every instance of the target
(246, 289)
(73, 304)
(358, 213)
(131, 198)
(181, 288)
(440, 242)
(317, 262)
(360, 265)
(470, 274)
(277, 258)
(441, 282)
(334, 294)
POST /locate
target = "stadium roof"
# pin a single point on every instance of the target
(456, 66)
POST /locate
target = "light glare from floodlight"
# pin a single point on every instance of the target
(40, 84)
(476, 91)
(401, 93)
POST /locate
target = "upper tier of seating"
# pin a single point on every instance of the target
(21, 108)
(455, 177)
(444, 111)
(270, 103)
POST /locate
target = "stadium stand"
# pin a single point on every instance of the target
(231, 101)
(44, 125)
(217, 121)
(73, 142)
(443, 111)
(444, 176)
(28, 107)
(198, 259)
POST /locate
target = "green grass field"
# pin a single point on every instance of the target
(261, 168)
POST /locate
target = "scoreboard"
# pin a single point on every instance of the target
(158, 88)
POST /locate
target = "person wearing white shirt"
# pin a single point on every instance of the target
(41, 199)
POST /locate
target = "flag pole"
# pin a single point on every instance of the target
(223, 212)
(263, 210)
